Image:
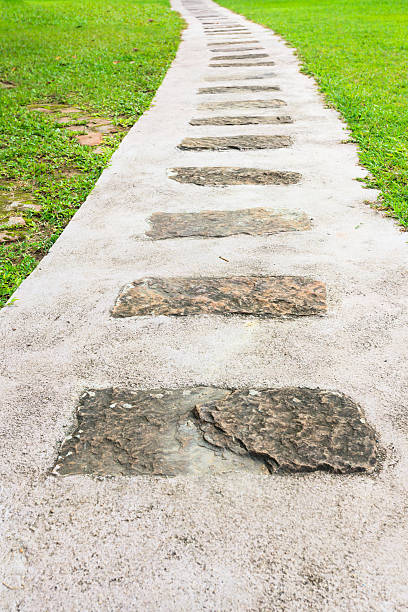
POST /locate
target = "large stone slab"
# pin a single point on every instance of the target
(239, 77)
(259, 296)
(235, 49)
(231, 64)
(224, 175)
(216, 223)
(199, 430)
(237, 89)
(241, 143)
(231, 42)
(241, 120)
(235, 57)
(232, 104)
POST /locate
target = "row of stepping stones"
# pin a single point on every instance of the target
(206, 429)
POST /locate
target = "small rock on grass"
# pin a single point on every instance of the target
(5, 237)
(15, 221)
(91, 139)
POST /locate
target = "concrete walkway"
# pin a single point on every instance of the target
(329, 275)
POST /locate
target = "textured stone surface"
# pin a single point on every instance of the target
(237, 89)
(241, 120)
(226, 223)
(243, 56)
(239, 77)
(233, 176)
(242, 143)
(235, 49)
(231, 104)
(166, 432)
(231, 42)
(261, 296)
(232, 64)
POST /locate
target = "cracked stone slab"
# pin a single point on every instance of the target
(235, 57)
(217, 223)
(231, 65)
(242, 143)
(198, 430)
(237, 89)
(224, 175)
(259, 296)
(231, 104)
(241, 120)
(239, 77)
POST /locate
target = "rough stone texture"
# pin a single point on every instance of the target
(235, 49)
(293, 429)
(239, 77)
(260, 296)
(242, 143)
(231, 42)
(121, 432)
(237, 89)
(251, 221)
(231, 104)
(204, 429)
(233, 176)
(235, 57)
(241, 120)
(229, 65)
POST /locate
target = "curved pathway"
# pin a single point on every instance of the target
(204, 384)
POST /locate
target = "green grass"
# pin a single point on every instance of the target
(357, 50)
(107, 58)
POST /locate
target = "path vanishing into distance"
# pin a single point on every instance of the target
(204, 384)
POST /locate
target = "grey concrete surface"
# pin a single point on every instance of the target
(308, 542)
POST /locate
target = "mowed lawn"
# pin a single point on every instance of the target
(104, 58)
(357, 50)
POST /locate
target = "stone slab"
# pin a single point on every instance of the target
(217, 223)
(237, 89)
(259, 296)
(231, 42)
(235, 57)
(239, 77)
(198, 430)
(224, 175)
(236, 49)
(230, 65)
(241, 120)
(241, 143)
(231, 104)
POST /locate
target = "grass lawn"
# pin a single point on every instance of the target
(357, 50)
(85, 66)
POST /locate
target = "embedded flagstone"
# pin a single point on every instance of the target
(235, 57)
(259, 296)
(237, 89)
(194, 430)
(212, 223)
(224, 175)
(230, 65)
(239, 77)
(231, 104)
(242, 143)
(241, 120)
